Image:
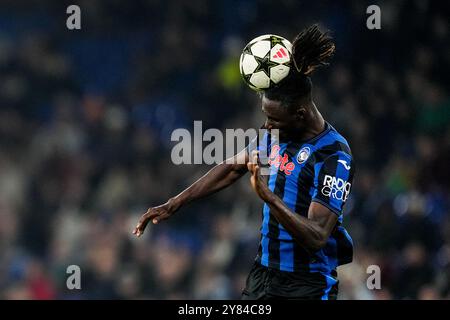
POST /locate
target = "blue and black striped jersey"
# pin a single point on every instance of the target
(320, 169)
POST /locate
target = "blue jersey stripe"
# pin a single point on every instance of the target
(266, 218)
(266, 210)
(265, 251)
(342, 173)
(286, 256)
(332, 253)
(330, 283)
(328, 139)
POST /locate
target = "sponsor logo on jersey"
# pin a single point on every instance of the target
(336, 188)
(345, 164)
(281, 162)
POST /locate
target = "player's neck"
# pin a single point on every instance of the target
(317, 120)
(315, 123)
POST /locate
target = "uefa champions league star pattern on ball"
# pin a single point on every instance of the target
(265, 61)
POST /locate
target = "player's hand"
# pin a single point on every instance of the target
(155, 214)
(257, 181)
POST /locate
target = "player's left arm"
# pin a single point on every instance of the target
(312, 232)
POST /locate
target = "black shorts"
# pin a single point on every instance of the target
(265, 283)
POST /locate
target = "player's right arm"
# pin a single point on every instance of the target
(216, 179)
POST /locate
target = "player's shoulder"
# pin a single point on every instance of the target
(332, 143)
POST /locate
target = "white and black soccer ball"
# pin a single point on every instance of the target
(265, 61)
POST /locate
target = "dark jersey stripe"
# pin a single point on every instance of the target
(335, 146)
(304, 181)
(259, 250)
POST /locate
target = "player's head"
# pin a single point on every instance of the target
(287, 105)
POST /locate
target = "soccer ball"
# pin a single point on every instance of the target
(265, 61)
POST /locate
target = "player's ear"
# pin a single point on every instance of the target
(300, 113)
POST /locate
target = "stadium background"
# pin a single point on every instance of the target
(85, 123)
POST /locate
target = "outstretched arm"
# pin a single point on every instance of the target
(216, 179)
(311, 233)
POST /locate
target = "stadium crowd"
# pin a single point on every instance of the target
(86, 118)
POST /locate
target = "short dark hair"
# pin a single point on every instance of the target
(311, 49)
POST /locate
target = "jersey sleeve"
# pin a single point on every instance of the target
(333, 180)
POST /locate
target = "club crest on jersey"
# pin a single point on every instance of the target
(303, 155)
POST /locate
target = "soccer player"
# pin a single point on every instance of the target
(311, 171)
